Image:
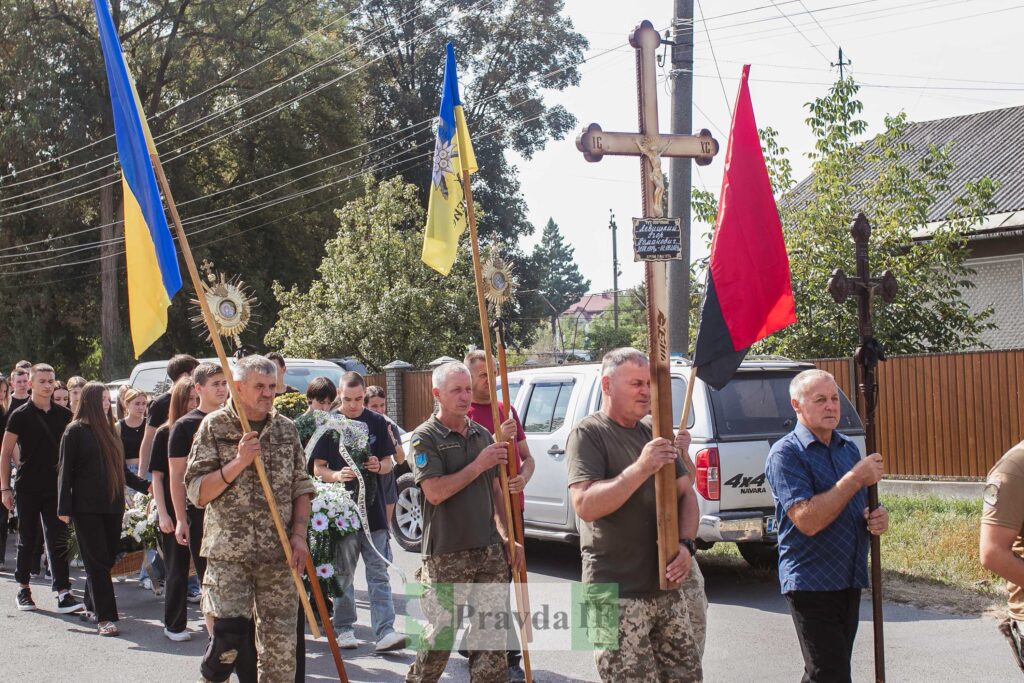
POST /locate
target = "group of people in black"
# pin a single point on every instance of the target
(67, 466)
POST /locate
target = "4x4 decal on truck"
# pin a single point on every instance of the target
(747, 484)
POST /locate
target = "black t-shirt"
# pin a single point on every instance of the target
(17, 403)
(183, 431)
(380, 446)
(131, 439)
(158, 463)
(39, 433)
(158, 410)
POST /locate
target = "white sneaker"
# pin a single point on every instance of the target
(347, 640)
(391, 642)
(179, 637)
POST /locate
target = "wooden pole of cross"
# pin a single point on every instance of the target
(866, 358)
(651, 146)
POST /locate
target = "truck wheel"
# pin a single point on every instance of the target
(407, 519)
(760, 555)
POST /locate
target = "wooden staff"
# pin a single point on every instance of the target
(218, 346)
(513, 471)
(485, 333)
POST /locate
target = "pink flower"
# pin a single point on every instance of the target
(325, 571)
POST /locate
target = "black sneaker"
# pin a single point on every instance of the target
(68, 604)
(24, 600)
(516, 674)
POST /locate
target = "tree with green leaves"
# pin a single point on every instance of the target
(374, 298)
(224, 84)
(895, 187)
(558, 278)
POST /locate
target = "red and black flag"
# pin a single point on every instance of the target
(748, 294)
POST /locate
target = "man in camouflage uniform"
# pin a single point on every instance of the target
(246, 571)
(455, 462)
(1002, 540)
(611, 457)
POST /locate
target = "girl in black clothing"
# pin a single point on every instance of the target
(133, 425)
(92, 477)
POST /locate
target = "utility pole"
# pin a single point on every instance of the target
(681, 78)
(615, 267)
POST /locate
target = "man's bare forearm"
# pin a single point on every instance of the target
(812, 515)
(6, 455)
(599, 499)
(213, 484)
(439, 489)
(146, 447)
(176, 472)
(689, 511)
(300, 515)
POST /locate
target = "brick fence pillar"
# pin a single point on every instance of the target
(393, 373)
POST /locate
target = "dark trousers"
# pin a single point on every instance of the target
(245, 665)
(99, 537)
(32, 505)
(826, 624)
(4, 520)
(176, 558)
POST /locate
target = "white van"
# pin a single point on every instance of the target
(151, 376)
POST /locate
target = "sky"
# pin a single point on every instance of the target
(930, 58)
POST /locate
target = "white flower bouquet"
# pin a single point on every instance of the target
(334, 516)
(139, 526)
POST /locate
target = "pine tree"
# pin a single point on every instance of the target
(560, 280)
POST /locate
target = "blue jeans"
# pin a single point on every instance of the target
(382, 607)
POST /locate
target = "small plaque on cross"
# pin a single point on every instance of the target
(657, 239)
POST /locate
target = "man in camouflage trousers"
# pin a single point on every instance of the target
(455, 462)
(246, 571)
(611, 457)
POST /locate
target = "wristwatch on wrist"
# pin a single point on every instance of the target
(689, 545)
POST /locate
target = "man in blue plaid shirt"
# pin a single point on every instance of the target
(819, 481)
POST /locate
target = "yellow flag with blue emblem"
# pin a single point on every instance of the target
(453, 157)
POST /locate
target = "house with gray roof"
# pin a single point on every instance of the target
(987, 144)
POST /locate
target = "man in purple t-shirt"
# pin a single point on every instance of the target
(480, 412)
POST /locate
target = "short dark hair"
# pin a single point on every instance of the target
(277, 358)
(374, 391)
(204, 372)
(321, 389)
(352, 379)
(180, 365)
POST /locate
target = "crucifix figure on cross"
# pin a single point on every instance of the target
(651, 146)
(869, 352)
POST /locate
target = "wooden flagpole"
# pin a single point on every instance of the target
(218, 346)
(485, 333)
(513, 471)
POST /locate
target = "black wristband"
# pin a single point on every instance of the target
(689, 545)
(221, 470)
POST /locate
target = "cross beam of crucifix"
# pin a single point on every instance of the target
(651, 146)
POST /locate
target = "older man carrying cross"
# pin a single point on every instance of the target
(612, 456)
(819, 483)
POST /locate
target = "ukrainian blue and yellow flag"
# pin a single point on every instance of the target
(453, 154)
(153, 275)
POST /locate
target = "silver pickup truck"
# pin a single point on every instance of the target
(732, 430)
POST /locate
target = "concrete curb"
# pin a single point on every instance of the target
(971, 490)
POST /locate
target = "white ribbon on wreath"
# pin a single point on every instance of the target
(348, 429)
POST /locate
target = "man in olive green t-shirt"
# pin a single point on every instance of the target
(611, 457)
(1001, 543)
(455, 463)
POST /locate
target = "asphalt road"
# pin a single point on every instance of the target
(750, 636)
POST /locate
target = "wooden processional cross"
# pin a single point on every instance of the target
(651, 146)
(869, 352)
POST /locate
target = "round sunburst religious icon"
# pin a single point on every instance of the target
(499, 281)
(230, 303)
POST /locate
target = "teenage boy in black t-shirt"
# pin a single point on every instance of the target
(179, 366)
(212, 388)
(37, 426)
(330, 466)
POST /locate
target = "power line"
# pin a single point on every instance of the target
(725, 96)
(822, 28)
(786, 17)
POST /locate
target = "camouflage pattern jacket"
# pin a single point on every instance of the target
(238, 526)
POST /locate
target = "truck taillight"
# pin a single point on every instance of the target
(707, 474)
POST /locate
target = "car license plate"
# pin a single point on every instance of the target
(769, 525)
